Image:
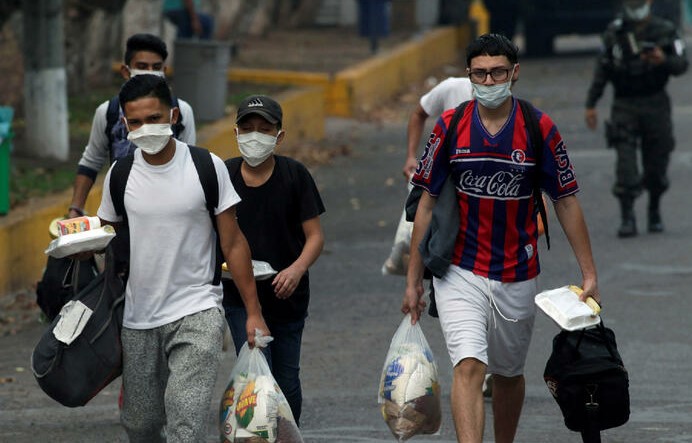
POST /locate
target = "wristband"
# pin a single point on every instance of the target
(76, 209)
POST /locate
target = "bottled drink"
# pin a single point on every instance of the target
(77, 224)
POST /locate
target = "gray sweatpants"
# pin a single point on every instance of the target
(169, 375)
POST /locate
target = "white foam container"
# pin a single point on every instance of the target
(91, 240)
(260, 269)
(564, 307)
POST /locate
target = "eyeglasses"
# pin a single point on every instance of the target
(497, 74)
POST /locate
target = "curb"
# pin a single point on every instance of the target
(24, 232)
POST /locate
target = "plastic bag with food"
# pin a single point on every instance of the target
(253, 408)
(409, 392)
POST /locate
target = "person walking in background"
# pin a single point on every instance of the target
(144, 54)
(173, 322)
(279, 215)
(446, 95)
(485, 299)
(640, 53)
(188, 19)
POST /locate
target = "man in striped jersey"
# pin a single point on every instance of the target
(486, 297)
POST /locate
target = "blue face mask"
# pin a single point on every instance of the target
(493, 96)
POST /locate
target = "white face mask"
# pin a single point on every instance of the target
(638, 14)
(492, 96)
(134, 72)
(151, 138)
(256, 147)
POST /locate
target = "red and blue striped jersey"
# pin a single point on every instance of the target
(494, 178)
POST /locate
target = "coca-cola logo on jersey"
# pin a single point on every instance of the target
(502, 184)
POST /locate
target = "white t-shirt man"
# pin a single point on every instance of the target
(448, 94)
(172, 240)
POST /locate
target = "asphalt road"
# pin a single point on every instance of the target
(645, 284)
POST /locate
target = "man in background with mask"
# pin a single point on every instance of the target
(279, 215)
(173, 322)
(640, 53)
(144, 54)
(485, 299)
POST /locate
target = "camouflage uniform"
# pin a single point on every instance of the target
(641, 110)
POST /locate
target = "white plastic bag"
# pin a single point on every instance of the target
(397, 262)
(253, 408)
(409, 392)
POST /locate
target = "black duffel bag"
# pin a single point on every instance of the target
(586, 376)
(62, 279)
(74, 373)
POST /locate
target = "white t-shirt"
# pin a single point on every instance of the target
(449, 94)
(97, 151)
(172, 241)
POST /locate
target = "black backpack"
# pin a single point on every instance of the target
(119, 145)
(586, 376)
(207, 176)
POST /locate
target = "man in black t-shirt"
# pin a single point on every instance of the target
(279, 215)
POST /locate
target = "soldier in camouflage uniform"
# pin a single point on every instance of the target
(640, 53)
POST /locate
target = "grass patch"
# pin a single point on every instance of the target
(34, 178)
(33, 182)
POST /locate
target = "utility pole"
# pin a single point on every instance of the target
(45, 82)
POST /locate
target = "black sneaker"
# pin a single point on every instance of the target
(655, 222)
(628, 228)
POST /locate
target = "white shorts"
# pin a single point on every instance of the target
(486, 319)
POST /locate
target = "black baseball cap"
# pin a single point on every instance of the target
(262, 105)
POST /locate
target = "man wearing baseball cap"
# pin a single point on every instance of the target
(279, 215)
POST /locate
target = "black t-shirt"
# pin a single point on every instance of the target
(271, 216)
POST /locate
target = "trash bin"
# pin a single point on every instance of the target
(200, 76)
(6, 134)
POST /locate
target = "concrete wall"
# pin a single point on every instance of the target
(359, 87)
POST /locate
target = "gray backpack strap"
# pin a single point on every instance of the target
(536, 139)
(414, 196)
